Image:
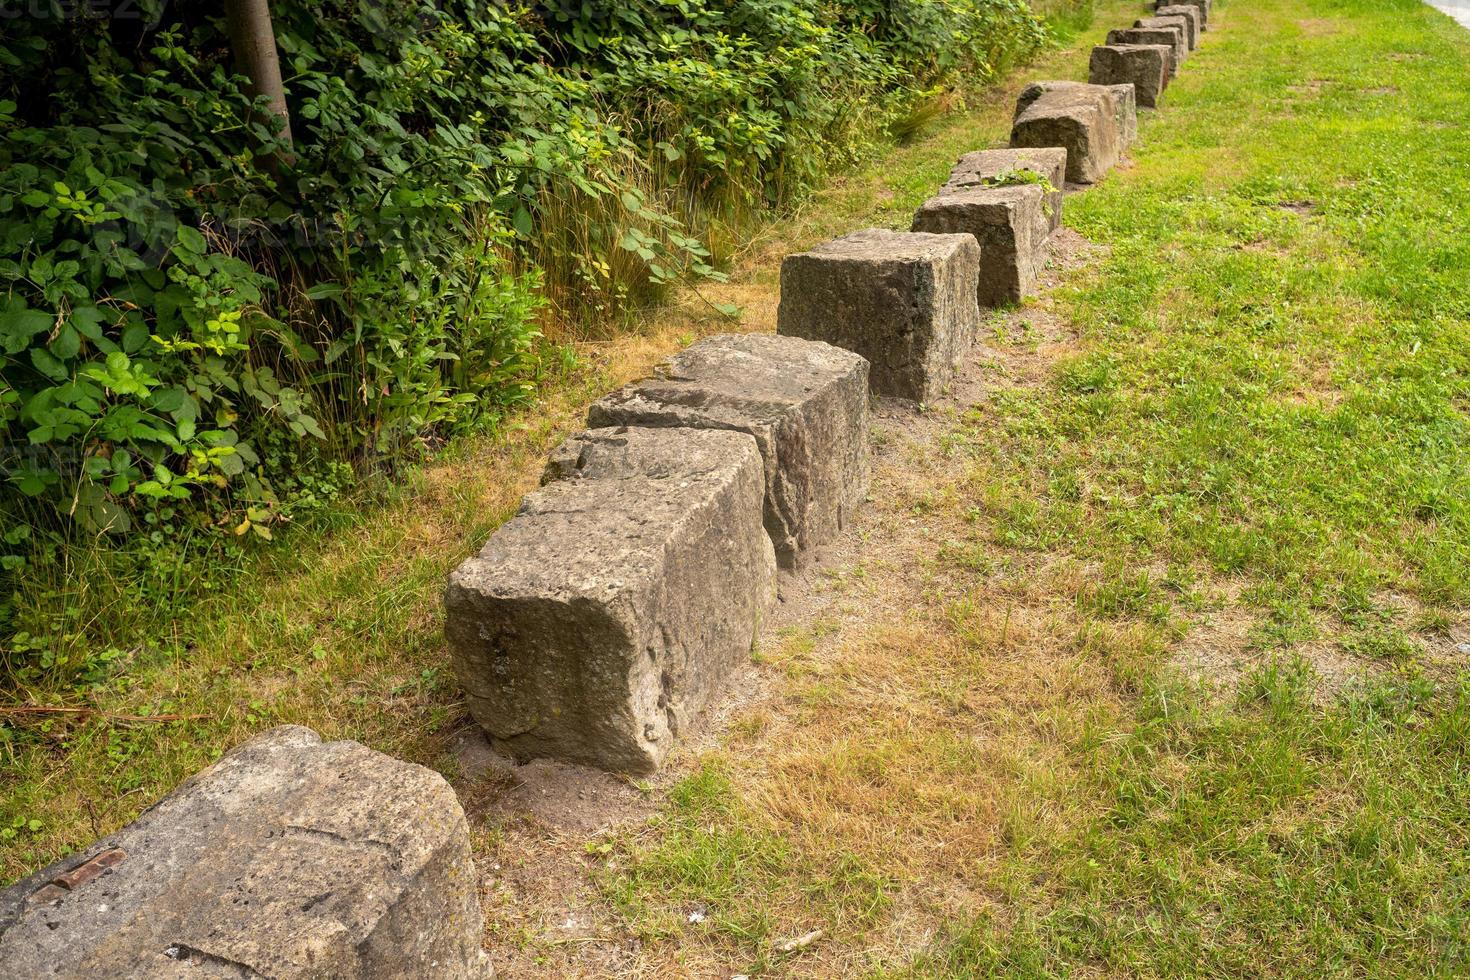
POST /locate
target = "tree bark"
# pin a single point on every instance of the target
(253, 41)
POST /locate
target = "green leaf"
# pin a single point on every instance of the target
(88, 322)
(523, 224)
(67, 343)
(134, 337)
(19, 324)
(190, 240)
(325, 290)
(48, 364)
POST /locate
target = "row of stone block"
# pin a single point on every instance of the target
(1148, 54)
(610, 610)
(910, 302)
(1095, 122)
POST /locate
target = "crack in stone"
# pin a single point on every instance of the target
(183, 952)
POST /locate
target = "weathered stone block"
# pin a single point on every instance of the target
(1009, 223)
(1203, 6)
(1125, 105)
(1144, 66)
(603, 617)
(905, 301)
(984, 167)
(1178, 22)
(1172, 37)
(1190, 14)
(1083, 119)
(805, 403)
(289, 858)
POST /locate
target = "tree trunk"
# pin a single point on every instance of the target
(253, 40)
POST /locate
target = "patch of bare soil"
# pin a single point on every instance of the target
(1313, 86)
(1219, 649)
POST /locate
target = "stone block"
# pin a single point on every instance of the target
(1203, 6)
(806, 404)
(289, 858)
(1190, 14)
(1083, 119)
(1144, 66)
(1010, 225)
(610, 610)
(1172, 36)
(984, 167)
(903, 300)
(1124, 101)
(1178, 23)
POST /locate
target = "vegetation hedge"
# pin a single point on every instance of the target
(206, 330)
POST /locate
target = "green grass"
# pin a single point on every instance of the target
(1274, 392)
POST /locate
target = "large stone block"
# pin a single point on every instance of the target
(603, 617)
(1144, 66)
(905, 301)
(1203, 6)
(1190, 14)
(1178, 22)
(987, 168)
(1083, 119)
(1172, 36)
(1125, 104)
(289, 858)
(1009, 223)
(804, 401)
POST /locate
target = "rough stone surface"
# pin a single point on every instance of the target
(600, 620)
(1172, 36)
(1144, 66)
(1125, 106)
(804, 401)
(1203, 6)
(1083, 119)
(289, 858)
(1190, 14)
(1179, 23)
(979, 168)
(1009, 223)
(906, 301)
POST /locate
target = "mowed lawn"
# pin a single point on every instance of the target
(1154, 662)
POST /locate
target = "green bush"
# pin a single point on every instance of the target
(205, 330)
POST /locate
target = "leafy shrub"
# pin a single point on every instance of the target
(205, 327)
